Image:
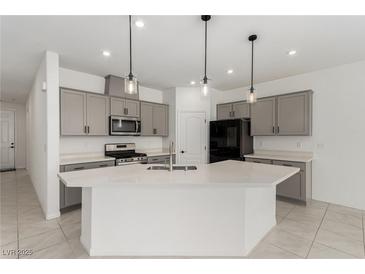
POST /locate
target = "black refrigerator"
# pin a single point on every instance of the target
(229, 140)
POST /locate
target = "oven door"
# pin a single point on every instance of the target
(124, 126)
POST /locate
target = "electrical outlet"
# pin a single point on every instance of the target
(299, 145)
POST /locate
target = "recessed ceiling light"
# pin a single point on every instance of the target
(139, 24)
(292, 52)
(192, 83)
(106, 53)
(230, 71)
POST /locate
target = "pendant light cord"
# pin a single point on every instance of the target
(205, 61)
(130, 46)
(252, 89)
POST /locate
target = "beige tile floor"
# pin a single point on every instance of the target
(318, 230)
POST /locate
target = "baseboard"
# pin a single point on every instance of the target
(53, 215)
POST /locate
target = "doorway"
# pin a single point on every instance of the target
(192, 142)
(7, 140)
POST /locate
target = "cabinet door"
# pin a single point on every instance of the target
(294, 114)
(224, 111)
(241, 110)
(160, 120)
(132, 108)
(97, 114)
(146, 118)
(117, 106)
(73, 112)
(290, 187)
(263, 117)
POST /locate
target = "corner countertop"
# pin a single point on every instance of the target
(79, 158)
(293, 156)
(227, 173)
(155, 152)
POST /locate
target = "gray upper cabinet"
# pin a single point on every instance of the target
(263, 116)
(154, 119)
(160, 120)
(124, 107)
(294, 115)
(224, 111)
(114, 86)
(241, 110)
(83, 113)
(132, 108)
(72, 112)
(233, 110)
(97, 114)
(146, 118)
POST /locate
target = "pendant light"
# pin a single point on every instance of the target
(251, 95)
(130, 82)
(205, 87)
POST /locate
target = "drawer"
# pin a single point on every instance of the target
(83, 166)
(292, 164)
(260, 161)
(160, 159)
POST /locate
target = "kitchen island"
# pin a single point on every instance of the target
(219, 210)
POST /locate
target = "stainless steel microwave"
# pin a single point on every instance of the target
(120, 125)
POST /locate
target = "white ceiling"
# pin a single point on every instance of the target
(168, 51)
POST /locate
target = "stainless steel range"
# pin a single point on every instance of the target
(125, 154)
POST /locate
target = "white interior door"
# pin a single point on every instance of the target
(192, 143)
(7, 126)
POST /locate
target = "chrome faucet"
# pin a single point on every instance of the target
(171, 150)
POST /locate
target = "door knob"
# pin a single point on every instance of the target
(182, 151)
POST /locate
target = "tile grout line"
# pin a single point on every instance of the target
(315, 235)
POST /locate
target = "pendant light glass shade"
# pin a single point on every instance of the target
(251, 97)
(205, 88)
(130, 82)
(130, 85)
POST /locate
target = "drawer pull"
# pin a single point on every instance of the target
(79, 168)
(103, 165)
(287, 165)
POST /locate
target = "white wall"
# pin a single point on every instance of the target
(20, 149)
(90, 144)
(338, 129)
(42, 132)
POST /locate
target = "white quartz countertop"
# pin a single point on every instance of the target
(154, 152)
(282, 155)
(227, 172)
(70, 159)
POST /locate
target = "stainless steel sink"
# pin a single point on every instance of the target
(186, 168)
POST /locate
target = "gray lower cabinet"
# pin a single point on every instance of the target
(70, 196)
(160, 159)
(83, 113)
(154, 119)
(124, 107)
(263, 117)
(294, 115)
(298, 186)
(114, 86)
(233, 110)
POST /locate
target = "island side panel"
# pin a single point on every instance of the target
(260, 211)
(86, 214)
(168, 220)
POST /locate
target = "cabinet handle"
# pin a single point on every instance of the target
(88, 129)
(273, 129)
(85, 130)
(278, 129)
(287, 165)
(233, 113)
(103, 165)
(79, 168)
(154, 131)
(125, 111)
